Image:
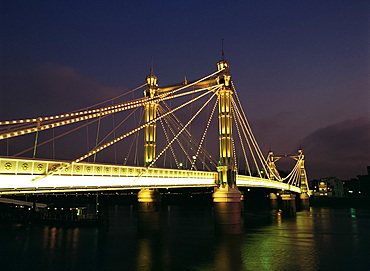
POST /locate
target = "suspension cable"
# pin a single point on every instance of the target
(93, 114)
(72, 114)
(134, 139)
(183, 128)
(245, 124)
(113, 131)
(245, 136)
(204, 134)
(97, 137)
(173, 133)
(249, 129)
(241, 141)
(168, 140)
(61, 135)
(176, 121)
(82, 111)
(50, 173)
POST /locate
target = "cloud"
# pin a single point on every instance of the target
(281, 132)
(46, 89)
(341, 149)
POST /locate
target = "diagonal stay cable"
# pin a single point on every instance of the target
(50, 173)
(177, 123)
(175, 120)
(11, 122)
(244, 118)
(177, 135)
(205, 133)
(56, 137)
(168, 140)
(173, 133)
(241, 140)
(92, 114)
(238, 116)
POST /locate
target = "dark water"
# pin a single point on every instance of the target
(271, 239)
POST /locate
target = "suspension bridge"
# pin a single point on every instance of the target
(181, 153)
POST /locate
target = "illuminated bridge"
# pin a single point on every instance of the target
(182, 153)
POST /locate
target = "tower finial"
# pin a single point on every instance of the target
(151, 67)
(223, 54)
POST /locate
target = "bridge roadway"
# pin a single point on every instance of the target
(22, 176)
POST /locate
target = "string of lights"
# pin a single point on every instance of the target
(168, 140)
(178, 134)
(204, 134)
(245, 130)
(241, 141)
(245, 121)
(92, 113)
(100, 148)
(173, 133)
(176, 122)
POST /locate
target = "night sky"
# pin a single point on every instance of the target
(301, 68)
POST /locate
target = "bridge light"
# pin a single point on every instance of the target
(194, 157)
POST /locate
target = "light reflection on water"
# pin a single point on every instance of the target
(277, 238)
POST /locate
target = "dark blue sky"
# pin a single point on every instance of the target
(301, 67)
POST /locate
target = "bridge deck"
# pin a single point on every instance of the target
(25, 176)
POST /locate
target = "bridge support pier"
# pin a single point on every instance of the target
(287, 196)
(149, 195)
(273, 196)
(304, 196)
(227, 196)
(288, 205)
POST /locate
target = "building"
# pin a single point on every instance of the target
(329, 187)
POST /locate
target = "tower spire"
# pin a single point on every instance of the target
(151, 68)
(223, 64)
(223, 54)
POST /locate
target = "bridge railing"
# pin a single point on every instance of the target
(15, 166)
(20, 174)
(249, 181)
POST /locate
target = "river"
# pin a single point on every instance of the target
(184, 238)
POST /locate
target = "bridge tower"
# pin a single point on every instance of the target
(149, 196)
(226, 190)
(304, 185)
(271, 162)
(150, 114)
